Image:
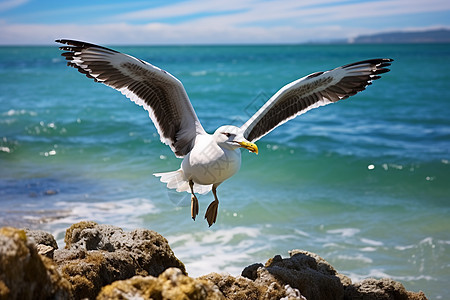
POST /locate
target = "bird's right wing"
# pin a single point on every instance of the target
(160, 93)
(312, 91)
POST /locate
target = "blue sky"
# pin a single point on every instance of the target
(212, 21)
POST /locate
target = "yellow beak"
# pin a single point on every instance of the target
(249, 146)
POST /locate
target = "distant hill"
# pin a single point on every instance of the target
(429, 36)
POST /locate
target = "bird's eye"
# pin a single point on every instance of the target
(226, 134)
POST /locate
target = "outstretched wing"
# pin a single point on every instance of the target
(312, 91)
(160, 93)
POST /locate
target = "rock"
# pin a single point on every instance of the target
(24, 274)
(97, 255)
(307, 272)
(44, 241)
(74, 234)
(263, 287)
(172, 284)
(382, 289)
(140, 265)
(236, 287)
(315, 278)
(50, 192)
(45, 250)
(41, 237)
(323, 266)
(251, 272)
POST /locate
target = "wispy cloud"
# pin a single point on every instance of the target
(186, 8)
(10, 4)
(214, 21)
(237, 13)
(376, 9)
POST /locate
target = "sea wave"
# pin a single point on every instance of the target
(226, 249)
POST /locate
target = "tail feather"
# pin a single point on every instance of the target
(177, 180)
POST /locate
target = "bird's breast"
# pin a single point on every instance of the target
(208, 163)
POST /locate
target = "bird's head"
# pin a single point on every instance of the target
(232, 137)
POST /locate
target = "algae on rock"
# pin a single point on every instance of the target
(24, 274)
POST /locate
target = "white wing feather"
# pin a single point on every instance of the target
(310, 92)
(157, 91)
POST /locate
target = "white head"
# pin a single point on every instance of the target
(232, 137)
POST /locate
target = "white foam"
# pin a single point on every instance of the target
(20, 112)
(356, 257)
(371, 242)
(427, 241)
(199, 73)
(226, 250)
(373, 273)
(5, 149)
(380, 273)
(402, 248)
(332, 245)
(301, 232)
(368, 249)
(344, 232)
(120, 210)
(121, 213)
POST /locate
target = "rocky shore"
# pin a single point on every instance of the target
(104, 262)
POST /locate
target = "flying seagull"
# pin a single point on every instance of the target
(210, 159)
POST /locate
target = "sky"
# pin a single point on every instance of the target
(164, 22)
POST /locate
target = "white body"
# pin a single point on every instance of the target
(209, 163)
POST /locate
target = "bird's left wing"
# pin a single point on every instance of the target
(312, 91)
(160, 93)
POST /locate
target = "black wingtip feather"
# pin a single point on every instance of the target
(375, 61)
(380, 71)
(79, 45)
(74, 46)
(384, 65)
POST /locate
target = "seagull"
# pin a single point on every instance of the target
(210, 159)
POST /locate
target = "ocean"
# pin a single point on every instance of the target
(364, 183)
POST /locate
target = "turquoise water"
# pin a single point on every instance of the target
(364, 183)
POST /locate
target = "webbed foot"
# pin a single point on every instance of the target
(194, 207)
(211, 212)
